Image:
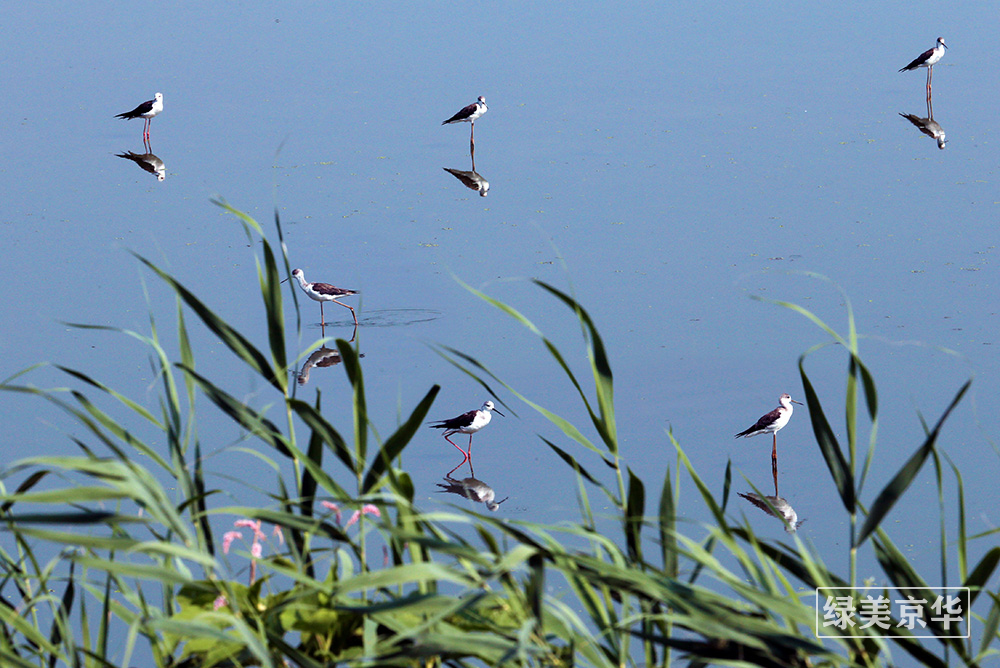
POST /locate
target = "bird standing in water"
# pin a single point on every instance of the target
(467, 423)
(469, 114)
(147, 110)
(772, 423)
(324, 292)
(928, 59)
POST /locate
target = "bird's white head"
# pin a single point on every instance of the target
(489, 407)
(158, 97)
(298, 275)
(494, 505)
(786, 400)
(482, 99)
(941, 42)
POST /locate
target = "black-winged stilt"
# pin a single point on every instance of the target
(147, 110)
(928, 59)
(469, 114)
(467, 423)
(773, 422)
(324, 292)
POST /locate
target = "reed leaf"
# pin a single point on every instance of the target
(837, 464)
(891, 493)
(634, 511)
(395, 444)
(236, 342)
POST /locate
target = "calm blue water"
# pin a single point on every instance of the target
(662, 163)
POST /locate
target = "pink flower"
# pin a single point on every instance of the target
(329, 505)
(228, 539)
(220, 601)
(367, 509)
(277, 532)
(253, 524)
(256, 550)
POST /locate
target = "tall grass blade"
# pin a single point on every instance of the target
(352, 365)
(668, 528)
(253, 422)
(274, 312)
(891, 493)
(635, 509)
(840, 471)
(235, 341)
(982, 573)
(330, 436)
(991, 626)
(395, 444)
(603, 378)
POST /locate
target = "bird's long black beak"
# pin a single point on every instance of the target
(284, 280)
(501, 414)
(797, 402)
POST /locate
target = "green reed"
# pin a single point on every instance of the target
(100, 547)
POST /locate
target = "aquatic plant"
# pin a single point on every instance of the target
(126, 541)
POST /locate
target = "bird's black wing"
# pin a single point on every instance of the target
(763, 422)
(143, 108)
(454, 423)
(915, 63)
(462, 115)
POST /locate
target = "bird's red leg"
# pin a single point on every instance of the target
(321, 316)
(774, 473)
(467, 455)
(774, 452)
(352, 311)
(470, 447)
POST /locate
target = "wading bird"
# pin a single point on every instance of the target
(773, 422)
(467, 423)
(469, 114)
(928, 59)
(324, 292)
(146, 110)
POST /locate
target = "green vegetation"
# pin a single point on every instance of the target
(99, 548)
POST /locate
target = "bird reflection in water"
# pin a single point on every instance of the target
(323, 357)
(776, 506)
(928, 125)
(472, 489)
(471, 180)
(148, 162)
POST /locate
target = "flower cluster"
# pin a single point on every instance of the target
(367, 509)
